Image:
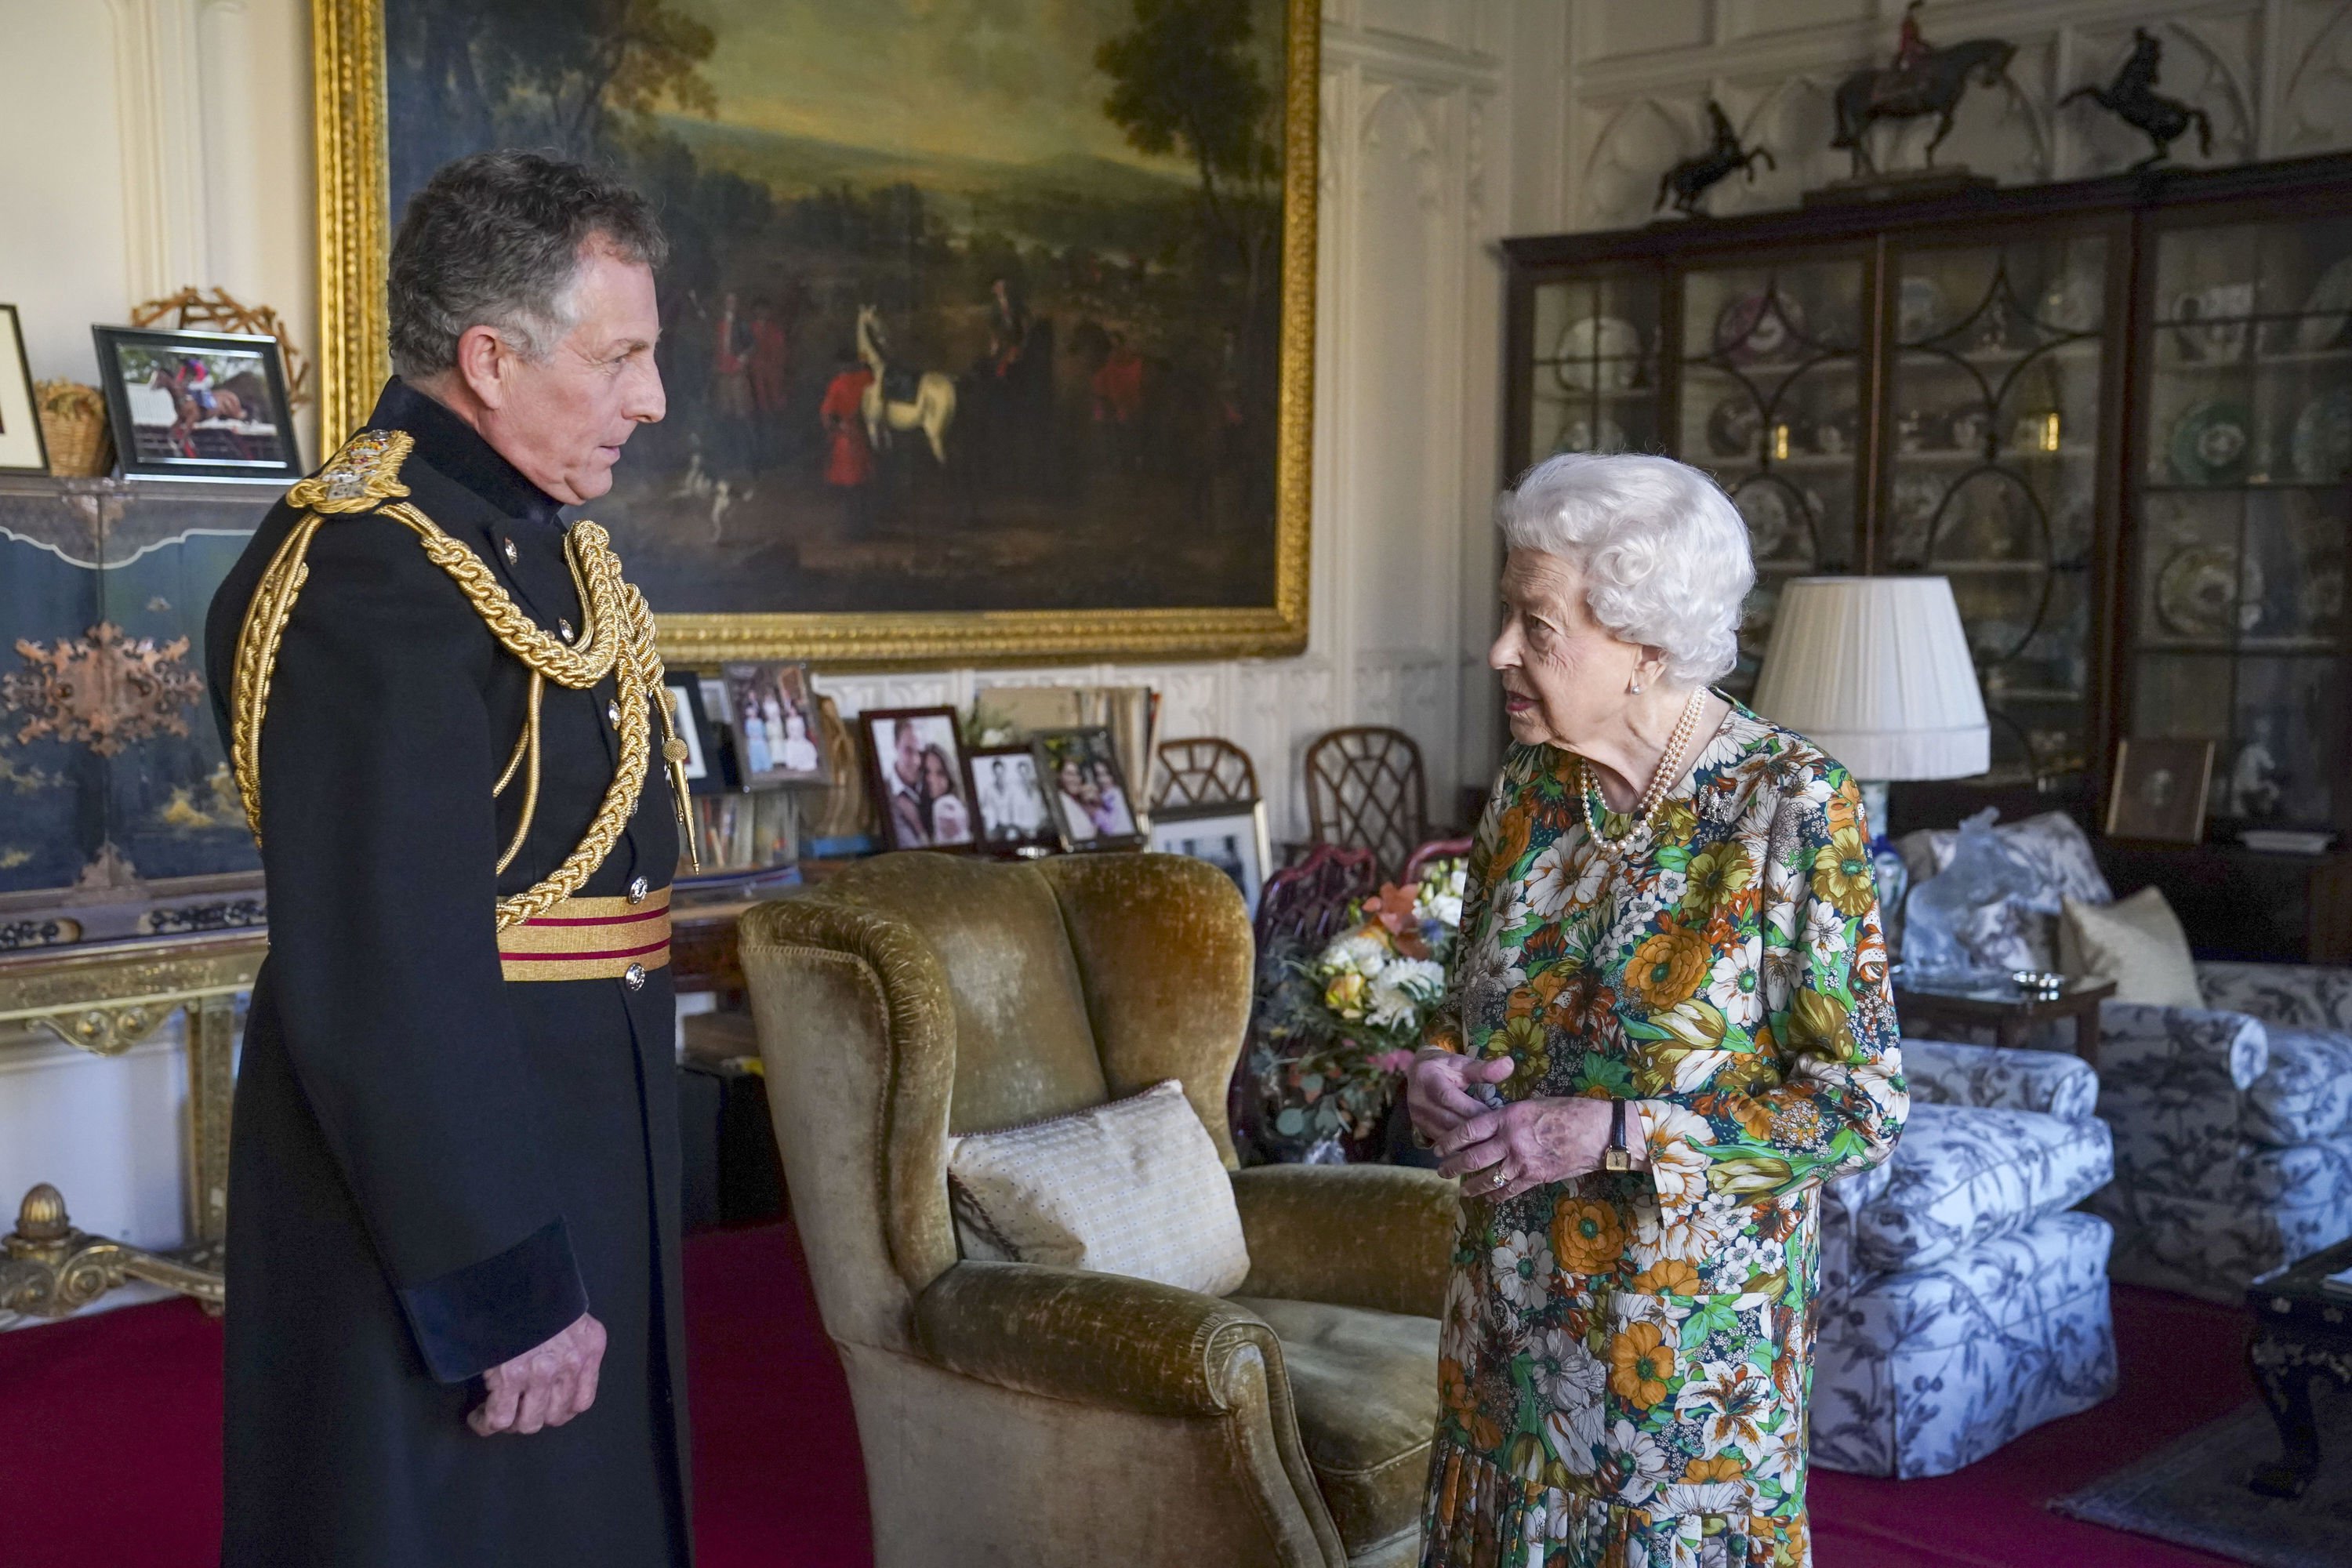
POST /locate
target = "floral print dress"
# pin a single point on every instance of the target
(1625, 1358)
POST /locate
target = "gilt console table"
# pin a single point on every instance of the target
(105, 998)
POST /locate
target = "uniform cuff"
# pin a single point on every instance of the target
(475, 1318)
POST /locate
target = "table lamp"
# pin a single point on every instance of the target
(1876, 672)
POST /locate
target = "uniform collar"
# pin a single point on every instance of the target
(457, 451)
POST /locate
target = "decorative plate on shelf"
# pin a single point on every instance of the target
(1918, 310)
(1731, 427)
(1760, 326)
(1583, 435)
(2072, 303)
(1767, 511)
(2210, 322)
(2326, 311)
(2209, 591)
(2322, 443)
(2208, 444)
(1599, 353)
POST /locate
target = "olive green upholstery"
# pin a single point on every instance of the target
(1015, 1414)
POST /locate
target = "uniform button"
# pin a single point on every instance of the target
(634, 977)
(563, 630)
(513, 554)
(637, 891)
(613, 713)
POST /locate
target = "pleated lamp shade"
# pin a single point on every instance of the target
(1876, 672)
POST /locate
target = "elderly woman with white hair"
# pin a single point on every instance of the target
(1669, 1024)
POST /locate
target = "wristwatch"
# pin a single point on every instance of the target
(1617, 1157)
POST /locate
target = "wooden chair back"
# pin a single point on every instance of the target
(1202, 770)
(1366, 790)
(1435, 849)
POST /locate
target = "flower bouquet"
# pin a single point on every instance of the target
(1344, 1023)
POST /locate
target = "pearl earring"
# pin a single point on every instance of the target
(1637, 686)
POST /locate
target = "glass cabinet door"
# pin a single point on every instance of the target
(1992, 464)
(1769, 401)
(1592, 381)
(2235, 616)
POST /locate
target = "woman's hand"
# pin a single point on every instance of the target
(1499, 1154)
(1441, 1090)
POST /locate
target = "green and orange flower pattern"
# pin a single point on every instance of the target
(1624, 1361)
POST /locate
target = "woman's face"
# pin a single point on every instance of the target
(1072, 780)
(1565, 677)
(936, 782)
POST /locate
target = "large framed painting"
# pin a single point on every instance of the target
(988, 329)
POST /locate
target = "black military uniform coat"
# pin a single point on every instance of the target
(433, 1169)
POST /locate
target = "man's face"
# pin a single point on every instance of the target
(562, 420)
(910, 758)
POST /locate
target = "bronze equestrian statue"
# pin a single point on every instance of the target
(1923, 80)
(2132, 98)
(1689, 180)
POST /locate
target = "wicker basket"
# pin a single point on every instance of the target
(73, 422)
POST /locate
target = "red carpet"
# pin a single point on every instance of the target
(109, 1441)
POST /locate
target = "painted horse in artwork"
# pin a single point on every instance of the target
(901, 400)
(2132, 98)
(1923, 81)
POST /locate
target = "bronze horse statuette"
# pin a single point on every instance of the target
(1923, 80)
(1691, 178)
(2132, 98)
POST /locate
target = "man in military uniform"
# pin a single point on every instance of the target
(454, 1323)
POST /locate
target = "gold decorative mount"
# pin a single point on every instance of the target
(218, 309)
(50, 1269)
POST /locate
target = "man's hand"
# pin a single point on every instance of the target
(544, 1386)
(1501, 1153)
(1439, 1089)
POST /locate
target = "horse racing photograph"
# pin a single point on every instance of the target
(970, 306)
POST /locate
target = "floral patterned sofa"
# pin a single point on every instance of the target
(1963, 1297)
(2233, 1121)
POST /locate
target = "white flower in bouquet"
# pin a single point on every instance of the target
(1356, 953)
(1400, 991)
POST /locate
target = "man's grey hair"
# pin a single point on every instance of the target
(1662, 551)
(496, 240)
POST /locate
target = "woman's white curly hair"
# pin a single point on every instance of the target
(1662, 551)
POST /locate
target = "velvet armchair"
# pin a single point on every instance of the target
(1014, 1413)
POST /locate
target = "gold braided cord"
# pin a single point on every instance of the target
(257, 659)
(618, 637)
(522, 744)
(527, 744)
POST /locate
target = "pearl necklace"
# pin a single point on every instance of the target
(1670, 770)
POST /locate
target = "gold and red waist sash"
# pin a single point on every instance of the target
(589, 938)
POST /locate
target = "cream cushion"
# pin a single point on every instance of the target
(1134, 1188)
(2137, 943)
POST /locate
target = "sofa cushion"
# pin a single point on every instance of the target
(2305, 1093)
(1926, 1370)
(1948, 1072)
(1963, 1176)
(2137, 943)
(2214, 1248)
(1135, 1187)
(1365, 1387)
(2022, 934)
(2299, 996)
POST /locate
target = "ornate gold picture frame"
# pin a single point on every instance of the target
(353, 117)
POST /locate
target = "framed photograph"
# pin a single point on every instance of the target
(921, 786)
(197, 405)
(1082, 402)
(1079, 771)
(1014, 812)
(22, 448)
(705, 769)
(2159, 789)
(774, 716)
(1231, 837)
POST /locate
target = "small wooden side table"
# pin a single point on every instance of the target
(2303, 1330)
(1999, 1004)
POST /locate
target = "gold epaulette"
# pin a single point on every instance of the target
(618, 635)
